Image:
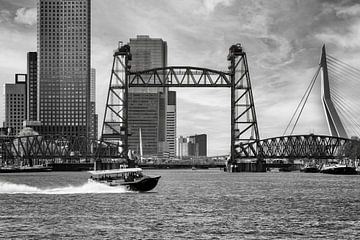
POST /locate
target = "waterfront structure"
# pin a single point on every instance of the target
(63, 31)
(147, 106)
(15, 104)
(31, 87)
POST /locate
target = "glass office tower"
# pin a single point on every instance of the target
(147, 106)
(64, 66)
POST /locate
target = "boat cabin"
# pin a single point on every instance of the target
(126, 174)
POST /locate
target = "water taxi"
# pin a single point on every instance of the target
(132, 178)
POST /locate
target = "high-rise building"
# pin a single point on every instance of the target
(63, 32)
(31, 87)
(93, 116)
(198, 145)
(182, 147)
(15, 104)
(171, 123)
(192, 146)
(147, 106)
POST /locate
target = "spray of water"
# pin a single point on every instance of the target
(89, 187)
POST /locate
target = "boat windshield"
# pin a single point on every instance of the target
(131, 175)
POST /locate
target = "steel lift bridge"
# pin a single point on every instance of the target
(114, 139)
(244, 129)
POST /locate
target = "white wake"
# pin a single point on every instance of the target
(88, 187)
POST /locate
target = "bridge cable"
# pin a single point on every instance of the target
(302, 108)
(351, 95)
(307, 92)
(344, 64)
(346, 111)
(336, 69)
(345, 103)
(350, 120)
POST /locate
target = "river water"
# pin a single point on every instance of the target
(186, 204)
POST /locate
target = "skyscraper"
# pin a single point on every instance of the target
(147, 106)
(171, 123)
(63, 31)
(93, 134)
(192, 146)
(31, 87)
(199, 146)
(15, 104)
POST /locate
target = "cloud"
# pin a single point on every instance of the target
(350, 39)
(5, 15)
(210, 5)
(26, 16)
(345, 11)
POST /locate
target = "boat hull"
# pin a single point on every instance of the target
(310, 170)
(143, 185)
(340, 170)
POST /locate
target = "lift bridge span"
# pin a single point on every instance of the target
(245, 139)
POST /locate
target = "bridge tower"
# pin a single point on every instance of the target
(244, 128)
(115, 125)
(335, 125)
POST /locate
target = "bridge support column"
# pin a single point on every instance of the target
(115, 126)
(244, 129)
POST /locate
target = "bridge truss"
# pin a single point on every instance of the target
(56, 148)
(244, 129)
(304, 146)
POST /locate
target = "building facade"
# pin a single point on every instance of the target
(192, 146)
(15, 104)
(63, 32)
(198, 145)
(147, 106)
(181, 147)
(31, 87)
(171, 123)
(93, 131)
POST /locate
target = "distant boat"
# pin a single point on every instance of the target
(132, 178)
(311, 168)
(273, 170)
(285, 169)
(334, 167)
(193, 168)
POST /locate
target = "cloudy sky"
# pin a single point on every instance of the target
(282, 39)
